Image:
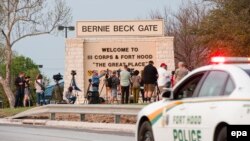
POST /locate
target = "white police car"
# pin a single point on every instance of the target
(201, 105)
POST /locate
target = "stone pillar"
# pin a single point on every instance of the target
(74, 58)
(165, 52)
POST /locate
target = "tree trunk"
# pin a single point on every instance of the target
(6, 83)
(8, 62)
(8, 93)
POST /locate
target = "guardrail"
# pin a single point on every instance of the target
(116, 110)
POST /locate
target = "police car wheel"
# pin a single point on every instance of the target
(222, 136)
(145, 132)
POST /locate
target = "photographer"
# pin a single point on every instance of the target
(94, 83)
(69, 95)
(57, 94)
(96, 80)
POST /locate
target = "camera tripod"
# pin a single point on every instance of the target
(104, 84)
(158, 92)
(73, 84)
(92, 97)
(59, 91)
(107, 76)
(31, 99)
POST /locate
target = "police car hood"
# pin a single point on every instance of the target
(154, 108)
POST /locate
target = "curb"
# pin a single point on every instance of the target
(128, 128)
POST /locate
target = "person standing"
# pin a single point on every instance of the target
(115, 86)
(180, 72)
(95, 81)
(125, 82)
(20, 85)
(164, 77)
(26, 91)
(39, 85)
(172, 78)
(142, 86)
(150, 79)
(107, 86)
(135, 80)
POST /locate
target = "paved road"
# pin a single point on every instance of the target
(36, 133)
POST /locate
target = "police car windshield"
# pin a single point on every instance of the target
(247, 71)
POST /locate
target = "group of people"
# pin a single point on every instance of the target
(23, 91)
(24, 94)
(22, 84)
(155, 80)
(149, 82)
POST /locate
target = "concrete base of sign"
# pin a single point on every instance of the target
(87, 54)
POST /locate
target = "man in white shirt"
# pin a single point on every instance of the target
(125, 83)
(164, 77)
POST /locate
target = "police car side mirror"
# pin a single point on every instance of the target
(167, 92)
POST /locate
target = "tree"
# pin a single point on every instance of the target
(20, 63)
(226, 29)
(183, 25)
(24, 18)
(2, 54)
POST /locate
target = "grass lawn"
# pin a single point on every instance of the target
(6, 112)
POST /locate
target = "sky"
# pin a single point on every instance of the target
(49, 50)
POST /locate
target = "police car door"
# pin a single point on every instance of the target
(174, 116)
(202, 110)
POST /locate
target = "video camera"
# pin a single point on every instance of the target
(90, 80)
(57, 77)
(131, 70)
(118, 72)
(73, 72)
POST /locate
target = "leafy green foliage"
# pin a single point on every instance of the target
(22, 64)
(3, 98)
(226, 29)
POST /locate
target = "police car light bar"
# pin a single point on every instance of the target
(230, 60)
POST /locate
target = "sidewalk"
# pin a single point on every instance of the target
(129, 128)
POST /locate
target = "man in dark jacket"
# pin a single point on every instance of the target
(20, 85)
(150, 79)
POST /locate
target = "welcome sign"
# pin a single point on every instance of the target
(113, 54)
(120, 28)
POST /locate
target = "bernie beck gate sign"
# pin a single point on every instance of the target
(120, 28)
